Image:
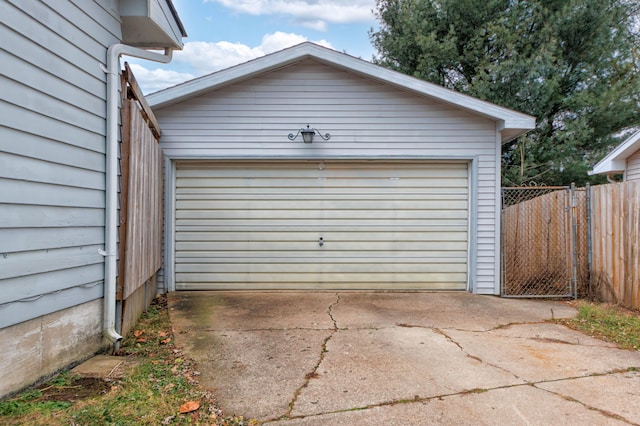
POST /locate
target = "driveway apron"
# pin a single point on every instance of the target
(370, 358)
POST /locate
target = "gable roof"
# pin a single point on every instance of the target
(511, 123)
(616, 161)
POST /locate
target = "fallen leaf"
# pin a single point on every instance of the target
(138, 333)
(163, 334)
(141, 340)
(165, 341)
(190, 406)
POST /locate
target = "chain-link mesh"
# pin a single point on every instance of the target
(537, 251)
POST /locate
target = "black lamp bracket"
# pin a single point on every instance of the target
(308, 133)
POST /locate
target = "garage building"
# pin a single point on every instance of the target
(399, 189)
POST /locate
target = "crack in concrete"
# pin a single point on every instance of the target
(477, 358)
(468, 330)
(603, 344)
(418, 399)
(307, 378)
(512, 324)
(330, 311)
(585, 405)
(214, 330)
(314, 371)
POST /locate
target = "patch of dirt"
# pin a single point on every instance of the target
(80, 389)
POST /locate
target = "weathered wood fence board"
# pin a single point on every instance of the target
(582, 242)
(616, 242)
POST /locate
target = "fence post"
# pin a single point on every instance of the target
(502, 247)
(574, 239)
(589, 243)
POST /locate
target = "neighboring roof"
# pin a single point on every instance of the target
(511, 123)
(616, 161)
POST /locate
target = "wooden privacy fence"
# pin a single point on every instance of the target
(615, 271)
(140, 236)
(562, 241)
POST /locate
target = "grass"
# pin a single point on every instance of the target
(29, 402)
(161, 390)
(608, 322)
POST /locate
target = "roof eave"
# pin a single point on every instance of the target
(151, 24)
(616, 160)
(514, 130)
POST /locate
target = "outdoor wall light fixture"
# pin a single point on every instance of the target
(307, 135)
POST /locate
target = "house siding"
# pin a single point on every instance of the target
(52, 178)
(633, 167)
(366, 119)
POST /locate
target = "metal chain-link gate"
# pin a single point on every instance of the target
(542, 231)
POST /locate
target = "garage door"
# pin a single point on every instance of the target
(321, 225)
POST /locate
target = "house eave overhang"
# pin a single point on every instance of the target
(616, 161)
(151, 24)
(511, 123)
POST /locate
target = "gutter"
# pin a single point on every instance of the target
(111, 203)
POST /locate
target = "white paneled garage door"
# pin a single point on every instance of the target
(321, 225)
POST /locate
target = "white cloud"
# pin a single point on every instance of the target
(318, 25)
(207, 57)
(310, 13)
(279, 40)
(157, 79)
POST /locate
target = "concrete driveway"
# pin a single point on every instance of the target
(347, 358)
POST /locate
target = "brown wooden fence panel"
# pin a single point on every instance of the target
(616, 243)
(141, 180)
(144, 218)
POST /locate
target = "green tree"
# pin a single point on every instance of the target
(573, 64)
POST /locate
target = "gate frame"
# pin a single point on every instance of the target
(570, 237)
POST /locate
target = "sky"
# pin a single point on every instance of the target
(223, 33)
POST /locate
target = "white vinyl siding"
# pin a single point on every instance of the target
(633, 167)
(322, 225)
(52, 144)
(367, 119)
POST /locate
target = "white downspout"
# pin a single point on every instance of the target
(111, 204)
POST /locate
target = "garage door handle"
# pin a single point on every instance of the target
(321, 242)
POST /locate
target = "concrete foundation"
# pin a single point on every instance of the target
(37, 348)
